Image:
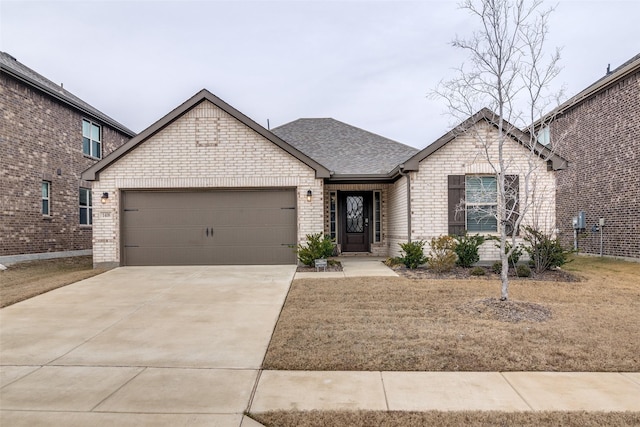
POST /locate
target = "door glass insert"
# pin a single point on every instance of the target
(355, 214)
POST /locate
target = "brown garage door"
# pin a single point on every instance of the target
(208, 227)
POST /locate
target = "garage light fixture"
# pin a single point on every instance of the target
(309, 195)
(104, 198)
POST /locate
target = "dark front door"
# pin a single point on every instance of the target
(355, 209)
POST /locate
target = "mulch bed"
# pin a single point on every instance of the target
(334, 266)
(460, 273)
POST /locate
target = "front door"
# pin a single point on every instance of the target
(355, 209)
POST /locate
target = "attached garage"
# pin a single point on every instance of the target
(200, 227)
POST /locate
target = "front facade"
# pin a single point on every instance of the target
(47, 138)
(598, 131)
(207, 185)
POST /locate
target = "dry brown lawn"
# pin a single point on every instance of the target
(398, 324)
(28, 279)
(446, 419)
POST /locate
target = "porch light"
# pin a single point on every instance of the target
(309, 195)
(104, 198)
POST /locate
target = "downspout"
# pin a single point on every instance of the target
(403, 173)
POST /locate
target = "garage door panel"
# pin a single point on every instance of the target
(213, 227)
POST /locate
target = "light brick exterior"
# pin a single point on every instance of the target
(205, 148)
(600, 137)
(398, 216)
(41, 139)
(464, 156)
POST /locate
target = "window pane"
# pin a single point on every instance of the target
(45, 207)
(481, 189)
(95, 150)
(45, 190)
(90, 214)
(86, 129)
(83, 216)
(89, 196)
(83, 197)
(86, 146)
(95, 132)
(481, 219)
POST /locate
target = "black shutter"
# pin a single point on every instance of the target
(512, 191)
(457, 224)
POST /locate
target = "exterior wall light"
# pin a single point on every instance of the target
(104, 198)
(309, 195)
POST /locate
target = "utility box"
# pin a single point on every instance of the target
(582, 222)
(601, 222)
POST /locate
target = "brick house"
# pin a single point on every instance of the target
(205, 184)
(47, 138)
(598, 131)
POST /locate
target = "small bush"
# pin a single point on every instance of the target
(523, 271)
(317, 246)
(497, 267)
(412, 254)
(393, 261)
(477, 271)
(544, 252)
(442, 256)
(467, 249)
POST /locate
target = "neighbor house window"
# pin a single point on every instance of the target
(332, 215)
(86, 207)
(46, 198)
(544, 135)
(481, 197)
(377, 217)
(91, 139)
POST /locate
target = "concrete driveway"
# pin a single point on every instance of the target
(141, 346)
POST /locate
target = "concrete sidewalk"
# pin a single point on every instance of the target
(352, 266)
(447, 391)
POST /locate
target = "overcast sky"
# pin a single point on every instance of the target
(367, 63)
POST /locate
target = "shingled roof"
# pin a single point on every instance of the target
(11, 66)
(344, 149)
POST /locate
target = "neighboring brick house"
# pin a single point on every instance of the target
(598, 131)
(48, 137)
(207, 185)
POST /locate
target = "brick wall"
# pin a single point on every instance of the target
(601, 139)
(464, 156)
(40, 139)
(204, 148)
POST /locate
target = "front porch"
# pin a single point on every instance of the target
(360, 218)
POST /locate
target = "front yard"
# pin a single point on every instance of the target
(398, 324)
(457, 325)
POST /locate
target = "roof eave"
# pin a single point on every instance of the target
(92, 173)
(106, 120)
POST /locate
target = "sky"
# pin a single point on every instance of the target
(367, 63)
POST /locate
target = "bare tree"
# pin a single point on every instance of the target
(509, 73)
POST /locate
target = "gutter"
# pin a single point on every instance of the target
(403, 173)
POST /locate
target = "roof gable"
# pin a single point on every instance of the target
(93, 172)
(17, 70)
(490, 117)
(344, 149)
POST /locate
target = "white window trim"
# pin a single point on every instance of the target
(478, 204)
(47, 198)
(88, 207)
(91, 153)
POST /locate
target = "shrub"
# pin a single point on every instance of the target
(545, 252)
(523, 271)
(442, 256)
(317, 246)
(412, 254)
(467, 249)
(393, 261)
(477, 271)
(515, 255)
(497, 267)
